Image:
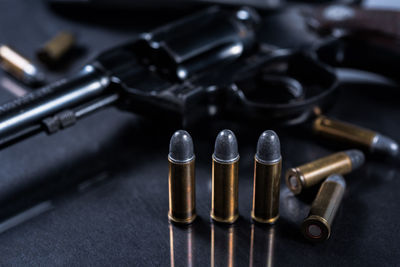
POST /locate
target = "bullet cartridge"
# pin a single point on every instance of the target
(267, 174)
(225, 167)
(55, 49)
(181, 179)
(19, 67)
(314, 172)
(351, 134)
(317, 226)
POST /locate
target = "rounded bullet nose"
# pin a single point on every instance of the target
(226, 147)
(357, 158)
(181, 147)
(337, 178)
(385, 145)
(268, 147)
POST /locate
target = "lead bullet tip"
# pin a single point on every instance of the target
(181, 147)
(226, 147)
(268, 147)
(385, 145)
(357, 158)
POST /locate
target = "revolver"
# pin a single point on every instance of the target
(209, 64)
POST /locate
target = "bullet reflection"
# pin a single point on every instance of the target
(181, 245)
(262, 246)
(222, 245)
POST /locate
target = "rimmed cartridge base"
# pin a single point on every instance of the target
(188, 220)
(224, 220)
(294, 181)
(315, 228)
(264, 221)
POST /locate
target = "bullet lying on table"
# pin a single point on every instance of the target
(181, 178)
(267, 174)
(365, 139)
(56, 49)
(20, 67)
(317, 226)
(225, 168)
(314, 172)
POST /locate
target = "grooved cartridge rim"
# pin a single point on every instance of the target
(319, 222)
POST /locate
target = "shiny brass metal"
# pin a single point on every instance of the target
(15, 64)
(56, 48)
(344, 132)
(224, 203)
(266, 191)
(317, 226)
(314, 172)
(182, 192)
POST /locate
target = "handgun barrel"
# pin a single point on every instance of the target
(30, 110)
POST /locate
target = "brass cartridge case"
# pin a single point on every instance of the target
(266, 191)
(182, 196)
(55, 49)
(356, 136)
(18, 66)
(317, 226)
(224, 203)
(314, 172)
(344, 132)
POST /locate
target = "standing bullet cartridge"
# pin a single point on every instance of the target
(365, 139)
(225, 167)
(317, 226)
(20, 67)
(181, 178)
(267, 174)
(314, 172)
(55, 49)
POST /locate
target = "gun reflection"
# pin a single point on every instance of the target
(262, 246)
(222, 245)
(181, 245)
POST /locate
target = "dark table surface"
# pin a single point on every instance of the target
(96, 193)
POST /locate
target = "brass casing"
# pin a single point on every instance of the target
(56, 48)
(182, 192)
(224, 203)
(314, 172)
(344, 132)
(14, 63)
(266, 191)
(323, 210)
